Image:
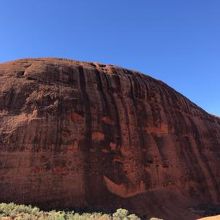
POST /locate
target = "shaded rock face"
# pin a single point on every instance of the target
(87, 135)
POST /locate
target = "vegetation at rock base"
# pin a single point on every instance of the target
(13, 211)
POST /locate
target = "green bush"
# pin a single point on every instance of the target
(23, 212)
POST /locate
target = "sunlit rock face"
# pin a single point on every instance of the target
(93, 136)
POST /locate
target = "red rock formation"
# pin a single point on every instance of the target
(86, 135)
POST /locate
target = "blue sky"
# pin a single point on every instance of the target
(177, 41)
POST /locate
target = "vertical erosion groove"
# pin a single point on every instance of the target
(86, 143)
(86, 103)
(140, 111)
(136, 91)
(115, 112)
(124, 106)
(59, 122)
(101, 93)
(106, 129)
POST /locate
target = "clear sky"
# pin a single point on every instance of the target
(177, 41)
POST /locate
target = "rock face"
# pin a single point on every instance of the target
(87, 135)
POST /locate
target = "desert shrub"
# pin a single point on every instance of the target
(123, 214)
(27, 212)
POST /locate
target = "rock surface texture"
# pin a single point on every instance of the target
(93, 136)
